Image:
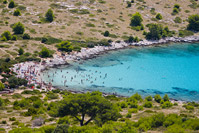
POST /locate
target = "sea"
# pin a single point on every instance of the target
(171, 69)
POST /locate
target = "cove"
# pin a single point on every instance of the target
(171, 69)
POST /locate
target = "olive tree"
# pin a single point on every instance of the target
(90, 106)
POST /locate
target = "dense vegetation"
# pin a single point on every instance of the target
(64, 112)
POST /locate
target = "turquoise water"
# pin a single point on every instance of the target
(171, 69)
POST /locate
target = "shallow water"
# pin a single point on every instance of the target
(171, 69)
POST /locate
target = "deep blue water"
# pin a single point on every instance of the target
(171, 69)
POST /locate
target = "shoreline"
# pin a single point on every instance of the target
(32, 71)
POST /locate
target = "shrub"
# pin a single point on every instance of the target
(14, 38)
(178, 20)
(17, 12)
(159, 16)
(193, 23)
(128, 4)
(172, 119)
(65, 46)
(132, 110)
(44, 53)
(21, 51)
(44, 39)
(106, 33)
(184, 33)
(149, 98)
(176, 6)
(49, 15)
(148, 104)
(123, 104)
(167, 104)
(175, 129)
(175, 11)
(11, 4)
(12, 119)
(157, 98)
(7, 35)
(5, 2)
(166, 97)
(18, 28)
(4, 122)
(26, 36)
(128, 115)
(136, 19)
(63, 120)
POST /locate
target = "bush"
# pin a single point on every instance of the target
(49, 15)
(7, 35)
(14, 38)
(167, 104)
(175, 129)
(4, 122)
(172, 119)
(128, 4)
(63, 120)
(136, 19)
(157, 98)
(184, 33)
(123, 104)
(175, 11)
(178, 20)
(5, 2)
(26, 36)
(18, 28)
(106, 33)
(65, 46)
(17, 12)
(166, 97)
(44, 53)
(12, 119)
(11, 4)
(159, 16)
(21, 51)
(128, 115)
(149, 98)
(1, 86)
(148, 104)
(132, 110)
(193, 23)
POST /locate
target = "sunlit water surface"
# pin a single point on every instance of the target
(171, 69)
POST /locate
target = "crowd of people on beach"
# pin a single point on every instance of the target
(31, 71)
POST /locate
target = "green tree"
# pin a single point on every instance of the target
(106, 33)
(20, 51)
(158, 98)
(26, 36)
(17, 12)
(166, 97)
(1, 86)
(92, 105)
(193, 23)
(7, 35)
(45, 53)
(136, 19)
(65, 46)
(18, 28)
(11, 4)
(159, 16)
(49, 15)
(155, 32)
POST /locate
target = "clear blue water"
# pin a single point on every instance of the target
(171, 69)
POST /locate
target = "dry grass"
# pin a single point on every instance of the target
(72, 18)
